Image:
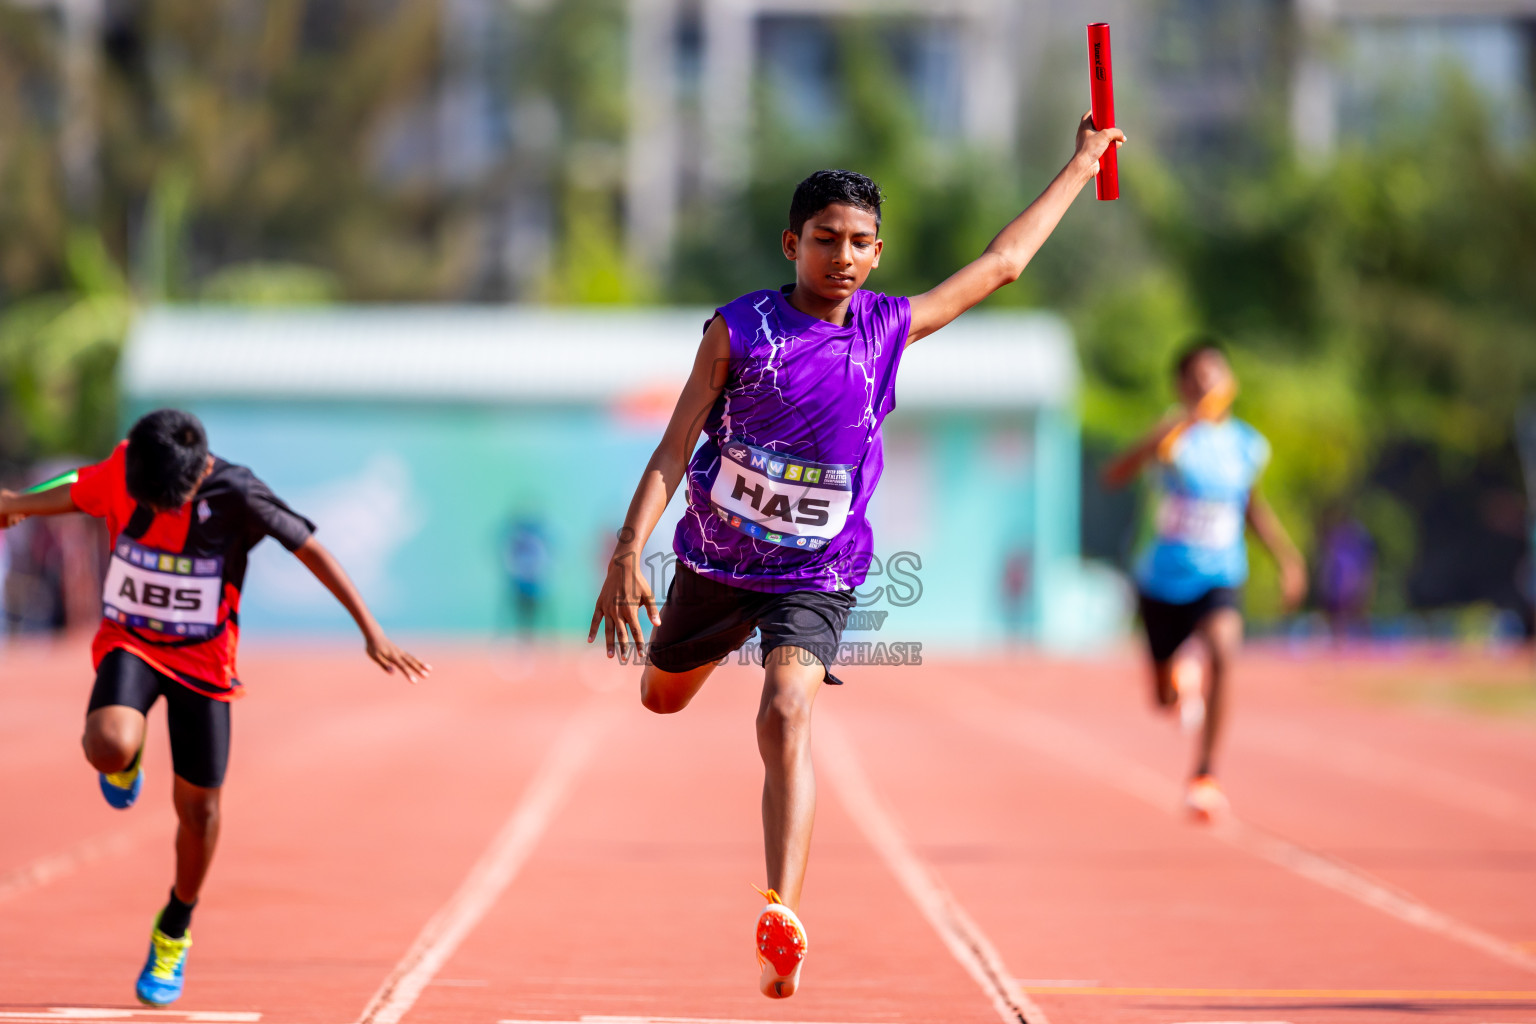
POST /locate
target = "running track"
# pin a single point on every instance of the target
(517, 840)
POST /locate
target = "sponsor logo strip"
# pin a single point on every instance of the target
(776, 465)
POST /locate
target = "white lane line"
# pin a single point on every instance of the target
(966, 941)
(1351, 881)
(1355, 995)
(53, 1014)
(54, 866)
(497, 867)
(1055, 738)
(589, 1018)
(1382, 768)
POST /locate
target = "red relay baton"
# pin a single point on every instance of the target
(1101, 86)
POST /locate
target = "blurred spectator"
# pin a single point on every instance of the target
(1525, 587)
(526, 560)
(1016, 588)
(1346, 577)
(5, 572)
(53, 575)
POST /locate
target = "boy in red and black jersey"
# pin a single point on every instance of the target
(182, 524)
(184, 628)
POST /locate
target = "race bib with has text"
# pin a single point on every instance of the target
(779, 499)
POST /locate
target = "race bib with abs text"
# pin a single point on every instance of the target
(176, 595)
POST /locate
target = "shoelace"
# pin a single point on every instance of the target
(771, 897)
(124, 778)
(168, 956)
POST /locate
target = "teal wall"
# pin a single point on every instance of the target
(415, 500)
(959, 493)
(1058, 517)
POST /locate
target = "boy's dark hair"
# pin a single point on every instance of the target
(825, 188)
(167, 451)
(1194, 349)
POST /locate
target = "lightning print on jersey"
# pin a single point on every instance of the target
(814, 391)
(752, 375)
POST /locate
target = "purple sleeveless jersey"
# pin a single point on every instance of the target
(792, 453)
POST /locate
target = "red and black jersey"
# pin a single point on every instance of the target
(172, 592)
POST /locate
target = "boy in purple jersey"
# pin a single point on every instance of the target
(790, 388)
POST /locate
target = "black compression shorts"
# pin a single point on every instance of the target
(199, 725)
(1169, 625)
(703, 621)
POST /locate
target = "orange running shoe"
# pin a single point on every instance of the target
(781, 947)
(1205, 800)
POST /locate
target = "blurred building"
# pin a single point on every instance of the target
(407, 434)
(694, 67)
(1359, 62)
(646, 109)
(1196, 74)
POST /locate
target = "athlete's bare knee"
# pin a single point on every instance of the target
(110, 745)
(105, 754)
(198, 810)
(665, 695)
(784, 718)
(661, 700)
(1220, 661)
(1224, 637)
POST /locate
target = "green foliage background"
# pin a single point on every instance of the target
(1387, 299)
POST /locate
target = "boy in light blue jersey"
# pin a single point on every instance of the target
(1207, 465)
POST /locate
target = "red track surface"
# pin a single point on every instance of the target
(1385, 869)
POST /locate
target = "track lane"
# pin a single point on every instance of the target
(358, 805)
(53, 814)
(355, 804)
(639, 903)
(1455, 858)
(1164, 915)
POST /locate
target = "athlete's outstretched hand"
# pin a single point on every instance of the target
(319, 560)
(1092, 143)
(8, 519)
(618, 605)
(14, 506)
(1293, 567)
(391, 658)
(1007, 255)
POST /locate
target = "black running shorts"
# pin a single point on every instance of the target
(199, 725)
(1169, 625)
(704, 621)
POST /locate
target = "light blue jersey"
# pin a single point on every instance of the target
(1202, 504)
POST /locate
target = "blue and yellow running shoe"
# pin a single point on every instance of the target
(160, 982)
(122, 788)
